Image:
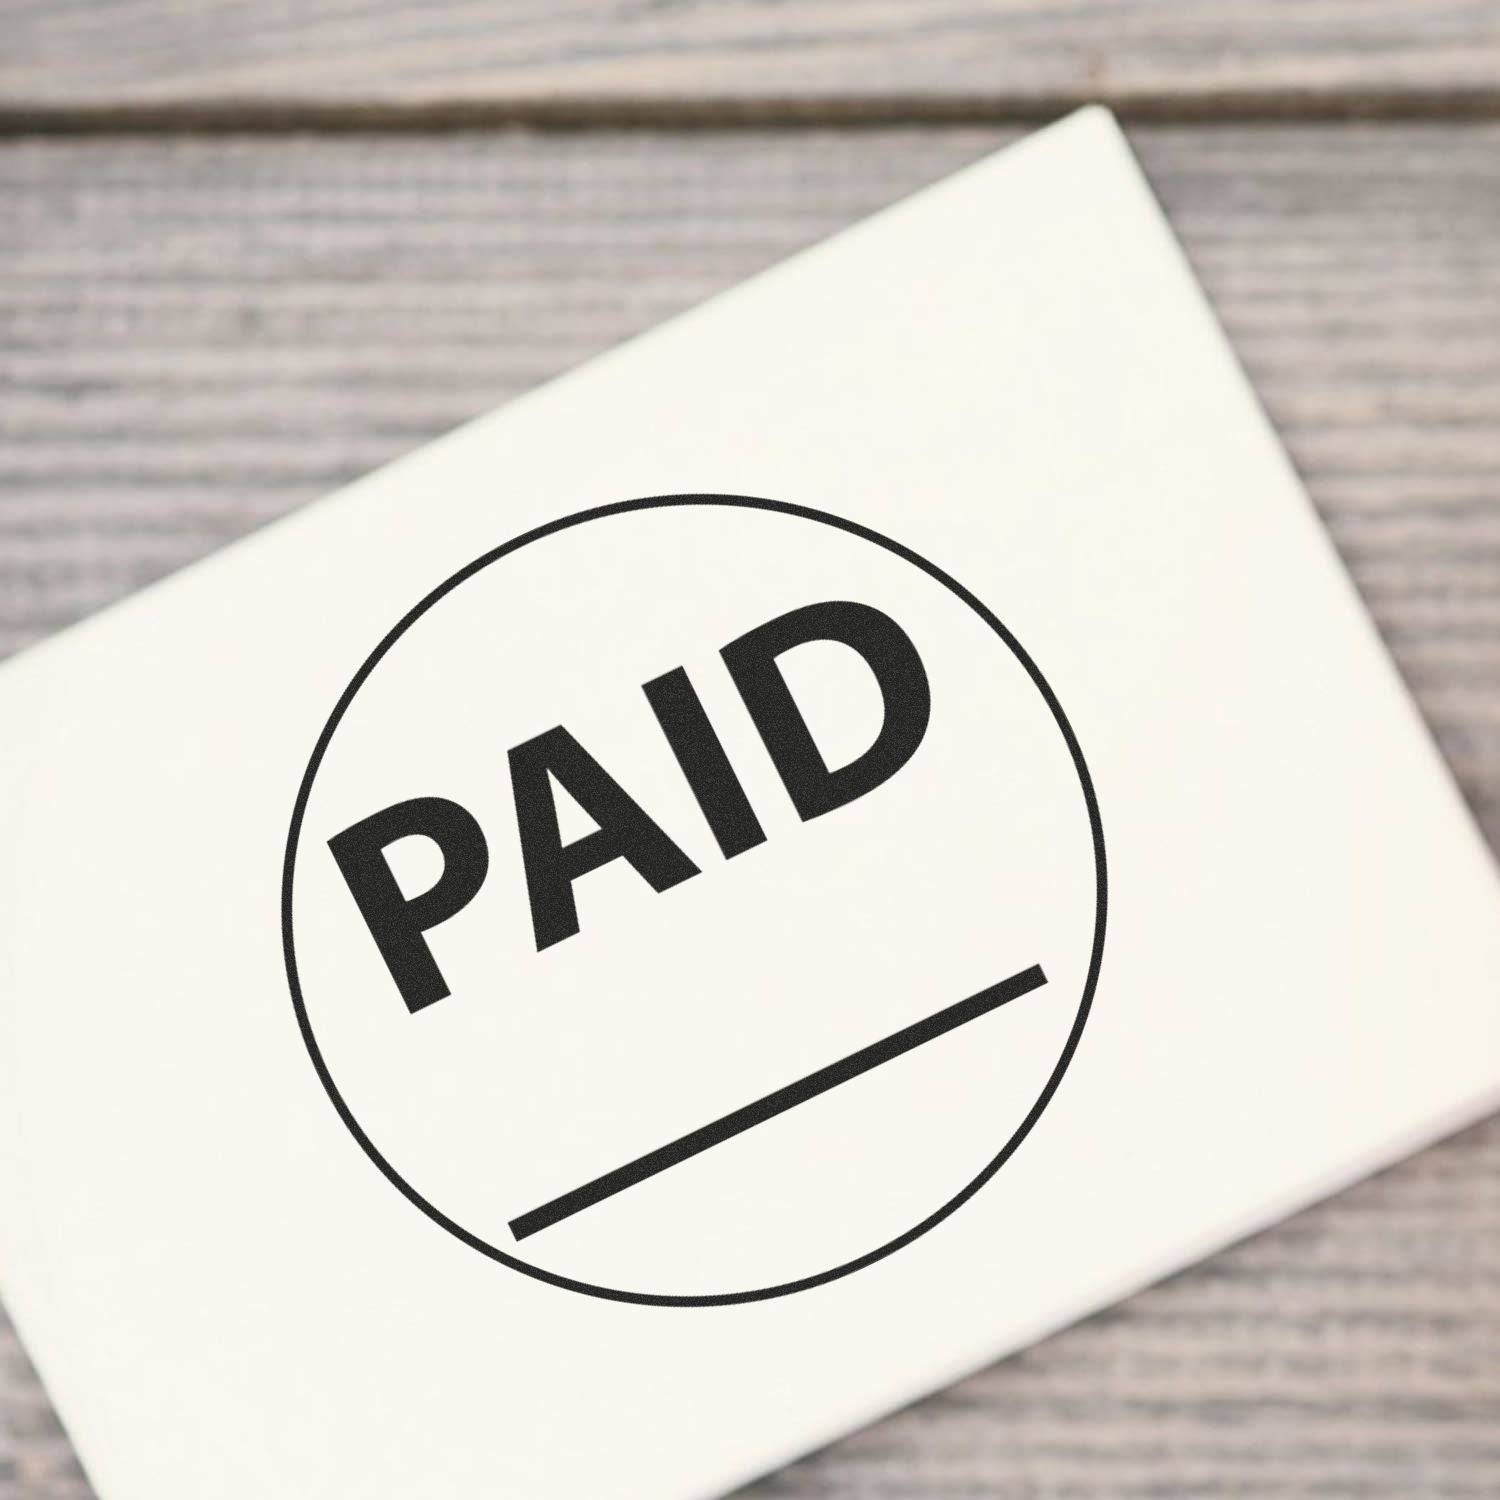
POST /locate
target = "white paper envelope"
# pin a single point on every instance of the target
(846, 834)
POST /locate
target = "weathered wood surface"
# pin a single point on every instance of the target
(196, 336)
(250, 59)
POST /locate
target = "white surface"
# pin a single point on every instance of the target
(1013, 374)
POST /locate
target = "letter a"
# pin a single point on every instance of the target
(625, 831)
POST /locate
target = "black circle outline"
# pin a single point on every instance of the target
(627, 507)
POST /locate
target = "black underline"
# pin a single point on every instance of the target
(776, 1103)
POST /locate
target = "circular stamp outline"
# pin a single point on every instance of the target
(603, 512)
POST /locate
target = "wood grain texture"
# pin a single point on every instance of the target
(197, 336)
(326, 60)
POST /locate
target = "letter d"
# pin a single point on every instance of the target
(888, 652)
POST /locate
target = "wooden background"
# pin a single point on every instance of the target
(250, 250)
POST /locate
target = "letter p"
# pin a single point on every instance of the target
(397, 923)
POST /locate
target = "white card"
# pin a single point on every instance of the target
(578, 968)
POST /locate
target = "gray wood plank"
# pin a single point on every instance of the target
(196, 336)
(249, 60)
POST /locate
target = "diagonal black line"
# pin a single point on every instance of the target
(773, 1104)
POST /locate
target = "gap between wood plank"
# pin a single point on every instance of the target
(269, 116)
